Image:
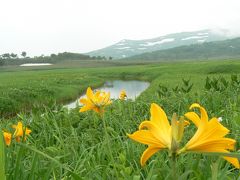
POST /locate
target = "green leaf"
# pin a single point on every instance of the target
(2, 158)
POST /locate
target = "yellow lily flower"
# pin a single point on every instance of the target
(158, 134)
(123, 95)
(19, 131)
(7, 137)
(209, 136)
(95, 101)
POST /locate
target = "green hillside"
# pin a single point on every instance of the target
(210, 50)
(127, 48)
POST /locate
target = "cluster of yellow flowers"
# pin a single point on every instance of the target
(123, 95)
(158, 134)
(19, 133)
(95, 101)
(98, 100)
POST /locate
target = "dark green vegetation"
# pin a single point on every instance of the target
(13, 59)
(72, 145)
(227, 49)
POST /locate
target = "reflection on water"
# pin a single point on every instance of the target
(132, 88)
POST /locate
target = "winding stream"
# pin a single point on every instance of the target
(133, 89)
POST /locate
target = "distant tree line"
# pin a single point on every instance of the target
(14, 59)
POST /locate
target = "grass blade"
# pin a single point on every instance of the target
(2, 158)
(74, 175)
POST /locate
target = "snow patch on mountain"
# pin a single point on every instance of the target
(194, 37)
(200, 34)
(158, 42)
(120, 44)
(123, 48)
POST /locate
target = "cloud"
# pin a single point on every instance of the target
(44, 27)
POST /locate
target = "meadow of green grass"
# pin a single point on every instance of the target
(22, 89)
(73, 145)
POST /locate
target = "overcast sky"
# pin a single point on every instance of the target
(52, 26)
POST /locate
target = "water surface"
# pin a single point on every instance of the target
(133, 89)
(36, 64)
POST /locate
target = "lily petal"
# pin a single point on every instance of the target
(164, 137)
(7, 137)
(213, 145)
(85, 108)
(233, 161)
(84, 101)
(209, 136)
(146, 137)
(148, 153)
(217, 130)
(204, 115)
(89, 93)
(193, 117)
(159, 117)
(18, 129)
(27, 131)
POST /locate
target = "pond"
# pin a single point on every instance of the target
(133, 89)
(35, 64)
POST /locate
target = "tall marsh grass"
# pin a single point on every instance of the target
(73, 145)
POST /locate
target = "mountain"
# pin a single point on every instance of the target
(127, 48)
(209, 50)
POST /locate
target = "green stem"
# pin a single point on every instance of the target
(214, 170)
(174, 166)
